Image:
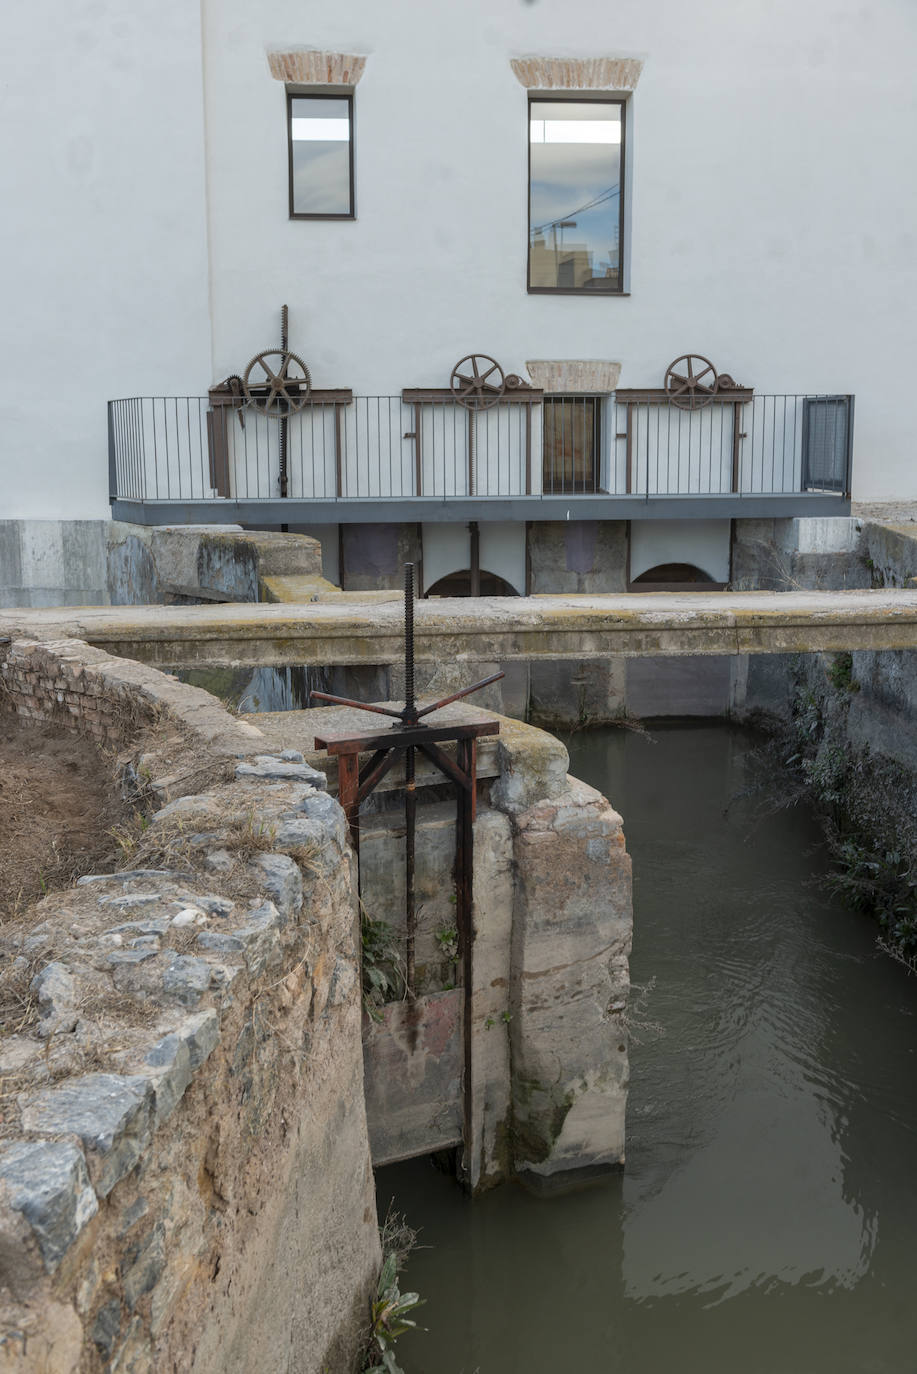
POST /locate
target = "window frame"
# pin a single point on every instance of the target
(595, 98)
(598, 434)
(296, 93)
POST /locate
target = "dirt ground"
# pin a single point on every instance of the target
(58, 804)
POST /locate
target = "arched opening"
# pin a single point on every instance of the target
(459, 584)
(675, 577)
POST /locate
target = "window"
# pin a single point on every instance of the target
(320, 135)
(576, 195)
(572, 444)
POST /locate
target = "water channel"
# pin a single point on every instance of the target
(766, 1222)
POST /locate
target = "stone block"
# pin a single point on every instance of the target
(571, 934)
(186, 979)
(266, 766)
(176, 1056)
(49, 1184)
(56, 990)
(578, 556)
(281, 877)
(120, 957)
(260, 938)
(111, 1114)
(533, 765)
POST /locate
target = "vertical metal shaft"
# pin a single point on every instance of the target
(410, 790)
(474, 558)
(285, 422)
(410, 825)
(410, 704)
(464, 892)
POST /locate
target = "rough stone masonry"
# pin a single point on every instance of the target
(185, 1180)
(185, 1173)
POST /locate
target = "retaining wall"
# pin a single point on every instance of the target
(185, 1179)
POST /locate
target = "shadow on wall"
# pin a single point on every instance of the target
(675, 577)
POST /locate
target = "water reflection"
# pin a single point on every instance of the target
(765, 1220)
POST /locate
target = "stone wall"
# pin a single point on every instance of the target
(185, 1180)
(199, 563)
(372, 557)
(53, 562)
(102, 562)
(552, 931)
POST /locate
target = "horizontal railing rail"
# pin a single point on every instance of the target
(344, 448)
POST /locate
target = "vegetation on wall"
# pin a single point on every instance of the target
(867, 803)
(383, 972)
(389, 1317)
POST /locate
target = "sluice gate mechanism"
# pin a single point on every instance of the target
(411, 732)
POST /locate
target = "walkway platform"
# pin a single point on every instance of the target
(355, 629)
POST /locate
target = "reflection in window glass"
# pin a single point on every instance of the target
(321, 144)
(575, 211)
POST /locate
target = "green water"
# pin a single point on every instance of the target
(766, 1222)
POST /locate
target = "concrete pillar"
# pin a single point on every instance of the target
(571, 938)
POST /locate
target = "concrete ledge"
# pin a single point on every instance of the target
(495, 629)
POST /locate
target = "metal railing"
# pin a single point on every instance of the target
(385, 448)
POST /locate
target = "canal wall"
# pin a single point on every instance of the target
(185, 1177)
(192, 1095)
(845, 732)
(552, 933)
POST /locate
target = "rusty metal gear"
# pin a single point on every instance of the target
(471, 383)
(281, 384)
(684, 382)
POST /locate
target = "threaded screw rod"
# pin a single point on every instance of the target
(410, 704)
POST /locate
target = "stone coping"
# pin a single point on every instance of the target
(489, 629)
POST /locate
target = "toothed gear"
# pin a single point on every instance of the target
(286, 393)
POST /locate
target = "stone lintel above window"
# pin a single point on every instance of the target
(569, 377)
(309, 67)
(577, 73)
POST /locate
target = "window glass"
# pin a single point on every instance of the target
(575, 192)
(321, 143)
(571, 443)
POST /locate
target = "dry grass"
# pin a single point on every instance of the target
(59, 796)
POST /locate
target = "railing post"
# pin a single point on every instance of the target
(112, 460)
(629, 448)
(848, 481)
(338, 453)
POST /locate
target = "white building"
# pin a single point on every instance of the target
(579, 192)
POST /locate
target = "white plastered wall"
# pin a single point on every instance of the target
(447, 549)
(704, 543)
(773, 219)
(103, 239)
(773, 227)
